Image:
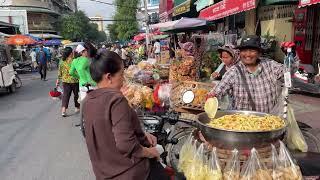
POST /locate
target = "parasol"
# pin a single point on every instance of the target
(52, 42)
(139, 37)
(20, 40)
(64, 42)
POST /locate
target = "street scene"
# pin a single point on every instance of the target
(160, 89)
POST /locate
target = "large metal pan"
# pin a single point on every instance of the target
(229, 139)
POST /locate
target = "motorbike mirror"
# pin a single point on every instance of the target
(188, 97)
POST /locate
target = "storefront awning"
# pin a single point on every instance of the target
(179, 24)
(303, 3)
(226, 8)
(279, 2)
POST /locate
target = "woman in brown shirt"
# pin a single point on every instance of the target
(117, 145)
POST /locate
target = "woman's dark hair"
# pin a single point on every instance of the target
(92, 51)
(66, 53)
(105, 62)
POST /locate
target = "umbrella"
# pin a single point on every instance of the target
(52, 42)
(20, 40)
(139, 37)
(66, 42)
(34, 37)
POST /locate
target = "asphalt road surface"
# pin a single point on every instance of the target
(36, 143)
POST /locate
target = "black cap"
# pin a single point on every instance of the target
(250, 42)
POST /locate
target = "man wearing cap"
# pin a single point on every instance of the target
(253, 83)
(80, 69)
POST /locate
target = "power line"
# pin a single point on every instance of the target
(112, 4)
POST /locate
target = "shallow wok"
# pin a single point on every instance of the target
(229, 139)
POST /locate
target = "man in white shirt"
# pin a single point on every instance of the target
(33, 56)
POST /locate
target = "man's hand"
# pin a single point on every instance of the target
(210, 95)
(151, 139)
(151, 152)
(215, 75)
(57, 83)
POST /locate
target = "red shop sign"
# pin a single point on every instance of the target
(308, 2)
(226, 8)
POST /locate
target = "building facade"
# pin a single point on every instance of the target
(99, 21)
(152, 9)
(41, 15)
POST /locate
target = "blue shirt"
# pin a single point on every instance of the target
(41, 57)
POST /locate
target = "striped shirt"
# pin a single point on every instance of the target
(264, 85)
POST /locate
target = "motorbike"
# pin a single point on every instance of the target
(306, 80)
(22, 66)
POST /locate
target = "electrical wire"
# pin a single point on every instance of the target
(112, 4)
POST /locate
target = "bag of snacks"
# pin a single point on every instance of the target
(254, 169)
(287, 168)
(232, 169)
(187, 151)
(214, 169)
(199, 165)
(276, 175)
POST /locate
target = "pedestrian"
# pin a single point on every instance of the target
(42, 62)
(33, 56)
(229, 57)
(69, 83)
(80, 67)
(255, 82)
(157, 49)
(118, 147)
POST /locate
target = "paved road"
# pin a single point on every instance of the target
(36, 143)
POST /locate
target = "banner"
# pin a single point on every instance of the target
(226, 8)
(308, 2)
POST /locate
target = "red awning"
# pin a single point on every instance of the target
(226, 8)
(303, 3)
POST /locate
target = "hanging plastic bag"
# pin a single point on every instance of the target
(254, 169)
(287, 166)
(186, 154)
(295, 139)
(232, 169)
(214, 169)
(198, 168)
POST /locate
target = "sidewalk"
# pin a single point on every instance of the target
(307, 109)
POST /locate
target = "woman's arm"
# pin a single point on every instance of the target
(123, 129)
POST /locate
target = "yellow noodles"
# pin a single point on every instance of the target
(241, 122)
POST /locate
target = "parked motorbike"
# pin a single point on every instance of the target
(304, 80)
(22, 67)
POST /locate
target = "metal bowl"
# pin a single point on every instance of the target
(237, 139)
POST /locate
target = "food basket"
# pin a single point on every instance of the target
(199, 89)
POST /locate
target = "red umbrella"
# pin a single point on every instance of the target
(20, 40)
(139, 37)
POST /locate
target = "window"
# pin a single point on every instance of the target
(153, 2)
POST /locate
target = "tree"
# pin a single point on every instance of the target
(126, 10)
(77, 27)
(112, 28)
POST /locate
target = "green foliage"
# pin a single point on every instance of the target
(124, 30)
(77, 27)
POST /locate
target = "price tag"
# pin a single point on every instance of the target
(287, 80)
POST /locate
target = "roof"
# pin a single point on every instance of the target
(33, 9)
(7, 24)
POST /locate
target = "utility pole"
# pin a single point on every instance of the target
(147, 24)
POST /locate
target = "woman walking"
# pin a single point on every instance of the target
(70, 84)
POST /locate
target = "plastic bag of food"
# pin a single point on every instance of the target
(287, 166)
(187, 151)
(232, 169)
(276, 175)
(214, 169)
(199, 165)
(295, 139)
(164, 94)
(254, 169)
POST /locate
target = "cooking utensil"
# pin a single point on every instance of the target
(230, 139)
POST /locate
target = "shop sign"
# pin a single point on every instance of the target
(226, 8)
(182, 8)
(308, 2)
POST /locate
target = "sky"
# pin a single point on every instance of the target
(93, 9)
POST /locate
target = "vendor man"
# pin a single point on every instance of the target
(253, 83)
